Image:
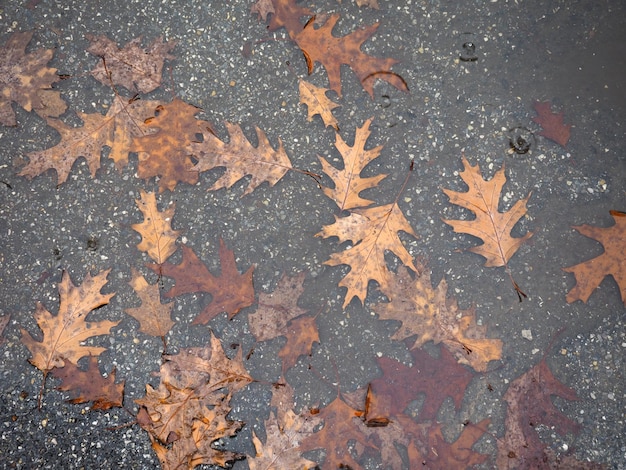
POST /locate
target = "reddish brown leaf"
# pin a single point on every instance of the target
(231, 291)
(89, 385)
(4, 321)
(287, 14)
(132, 67)
(438, 379)
(319, 45)
(317, 102)
(529, 400)
(339, 428)
(164, 152)
(612, 262)
(552, 123)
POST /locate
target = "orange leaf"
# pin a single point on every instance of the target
(373, 231)
(319, 45)
(64, 334)
(318, 103)
(240, 158)
(158, 239)
(490, 225)
(612, 262)
(348, 182)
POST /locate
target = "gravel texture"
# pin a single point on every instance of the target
(566, 51)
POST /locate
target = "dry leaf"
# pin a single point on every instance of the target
(262, 8)
(132, 67)
(4, 321)
(158, 239)
(65, 333)
(428, 313)
(318, 103)
(287, 14)
(612, 262)
(373, 231)
(154, 317)
(240, 158)
(231, 291)
(552, 123)
(25, 79)
(89, 385)
(319, 45)
(348, 182)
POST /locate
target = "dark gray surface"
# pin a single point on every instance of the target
(569, 52)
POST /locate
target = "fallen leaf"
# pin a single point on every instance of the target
(318, 103)
(231, 291)
(113, 130)
(612, 262)
(281, 448)
(339, 428)
(262, 8)
(368, 3)
(438, 378)
(319, 45)
(552, 123)
(373, 231)
(158, 239)
(186, 414)
(132, 67)
(154, 317)
(529, 404)
(490, 225)
(287, 14)
(64, 333)
(240, 158)
(163, 153)
(26, 80)
(89, 385)
(348, 182)
(428, 313)
(278, 314)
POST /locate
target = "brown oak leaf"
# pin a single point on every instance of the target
(287, 14)
(281, 449)
(26, 80)
(231, 291)
(240, 158)
(319, 45)
(490, 225)
(262, 8)
(278, 314)
(529, 404)
(132, 67)
(65, 333)
(348, 182)
(154, 317)
(113, 130)
(612, 262)
(552, 123)
(373, 231)
(164, 152)
(428, 313)
(339, 428)
(89, 385)
(318, 103)
(158, 239)
(437, 378)
(186, 414)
